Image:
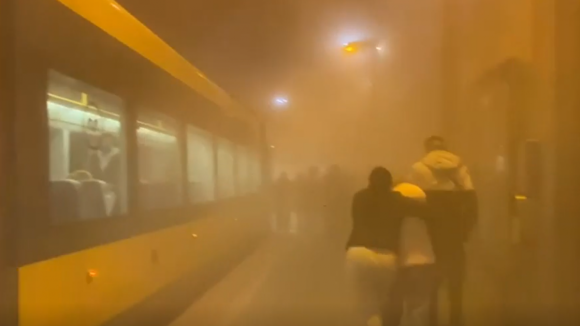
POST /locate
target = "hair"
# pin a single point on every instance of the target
(435, 143)
(380, 179)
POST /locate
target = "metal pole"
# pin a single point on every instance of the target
(8, 222)
(449, 71)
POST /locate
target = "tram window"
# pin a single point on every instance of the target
(226, 169)
(200, 165)
(243, 172)
(159, 161)
(256, 172)
(87, 150)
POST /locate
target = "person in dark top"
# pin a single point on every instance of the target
(452, 202)
(377, 213)
(373, 245)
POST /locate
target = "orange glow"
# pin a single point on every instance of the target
(93, 273)
(194, 235)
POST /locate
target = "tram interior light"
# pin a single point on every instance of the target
(73, 118)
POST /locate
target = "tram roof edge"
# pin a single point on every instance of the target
(116, 21)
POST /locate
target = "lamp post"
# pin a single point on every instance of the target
(277, 104)
(369, 119)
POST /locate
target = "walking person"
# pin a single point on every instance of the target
(371, 257)
(313, 200)
(453, 213)
(417, 278)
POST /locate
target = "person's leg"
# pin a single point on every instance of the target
(455, 292)
(391, 290)
(371, 275)
(434, 308)
(393, 306)
(362, 284)
(421, 286)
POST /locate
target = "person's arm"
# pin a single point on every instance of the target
(420, 175)
(413, 207)
(356, 210)
(465, 178)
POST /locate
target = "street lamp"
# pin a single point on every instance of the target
(280, 102)
(370, 52)
(353, 47)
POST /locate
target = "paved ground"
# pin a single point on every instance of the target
(296, 280)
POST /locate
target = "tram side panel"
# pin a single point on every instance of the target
(87, 271)
(92, 286)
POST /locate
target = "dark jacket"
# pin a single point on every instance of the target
(452, 217)
(377, 217)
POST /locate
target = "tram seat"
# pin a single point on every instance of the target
(65, 200)
(92, 194)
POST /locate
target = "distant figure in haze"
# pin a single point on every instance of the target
(440, 169)
(283, 202)
(336, 200)
(313, 196)
(298, 195)
(453, 214)
(373, 247)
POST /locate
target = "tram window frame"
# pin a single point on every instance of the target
(243, 170)
(222, 143)
(95, 197)
(147, 120)
(193, 132)
(256, 168)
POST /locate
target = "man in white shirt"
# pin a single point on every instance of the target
(440, 169)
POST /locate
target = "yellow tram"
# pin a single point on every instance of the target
(130, 181)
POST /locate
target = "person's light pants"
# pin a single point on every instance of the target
(371, 275)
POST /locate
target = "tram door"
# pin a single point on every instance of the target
(8, 274)
(502, 150)
(490, 164)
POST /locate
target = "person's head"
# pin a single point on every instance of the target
(313, 172)
(435, 143)
(380, 179)
(108, 142)
(410, 191)
(333, 169)
(283, 176)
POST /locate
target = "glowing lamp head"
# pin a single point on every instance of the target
(349, 48)
(280, 102)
